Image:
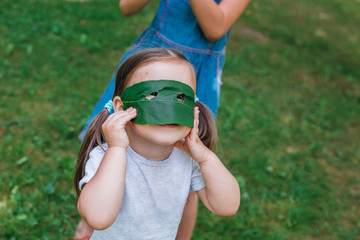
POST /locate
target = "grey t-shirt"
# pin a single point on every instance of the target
(154, 197)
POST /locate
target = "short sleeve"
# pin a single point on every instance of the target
(92, 165)
(197, 181)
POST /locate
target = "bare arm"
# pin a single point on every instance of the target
(131, 7)
(215, 20)
(222, 192)
(101, 198)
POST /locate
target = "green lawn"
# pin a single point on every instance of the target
(289, 119)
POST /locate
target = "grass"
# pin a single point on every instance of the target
(289, 119)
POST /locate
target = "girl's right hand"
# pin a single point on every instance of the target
(114, 128)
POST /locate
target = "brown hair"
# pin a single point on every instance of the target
(94, 136)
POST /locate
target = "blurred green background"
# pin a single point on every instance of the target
(289, 119)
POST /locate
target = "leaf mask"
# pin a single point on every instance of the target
(160, 102)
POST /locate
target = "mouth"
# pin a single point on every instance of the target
(170, 125)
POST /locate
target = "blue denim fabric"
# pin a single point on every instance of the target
(175, 26)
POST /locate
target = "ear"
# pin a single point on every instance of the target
(117, 104)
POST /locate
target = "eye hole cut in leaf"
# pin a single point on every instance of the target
(151, 96)
(180, 97)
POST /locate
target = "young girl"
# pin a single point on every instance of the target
(200, 31)
(135, 170)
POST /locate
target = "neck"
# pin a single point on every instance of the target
(148, 149)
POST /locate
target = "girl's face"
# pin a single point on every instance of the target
(168, 69)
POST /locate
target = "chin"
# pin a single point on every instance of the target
(161, 135)
(165, 142)
(166, 139)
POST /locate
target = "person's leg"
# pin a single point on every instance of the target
(83, 231)
(188, 219)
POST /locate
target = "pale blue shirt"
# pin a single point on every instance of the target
(154, 197)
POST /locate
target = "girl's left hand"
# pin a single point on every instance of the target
(192, 144)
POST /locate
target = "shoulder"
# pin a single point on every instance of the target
(92, 164)
(97, 154)
(98, 150)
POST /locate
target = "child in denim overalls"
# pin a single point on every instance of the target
(197, 29)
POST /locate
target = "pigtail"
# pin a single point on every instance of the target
(207, 126)
(94, 137)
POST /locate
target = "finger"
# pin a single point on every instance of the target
(121, 117)
(130, 109)
(111, 116)
(125, 116)
(196, 117)
(180, 144)
(121, 112)
(195, 130)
